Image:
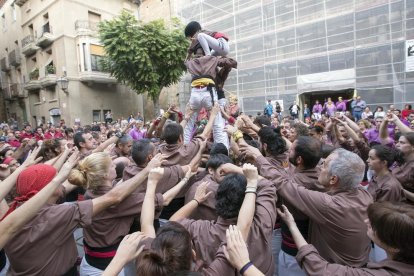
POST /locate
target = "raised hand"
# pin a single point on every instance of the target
(230, 129)
(31, 158)
(201, 193)
(250, 151)
(236, 251)
(68, 165)
(286, 215)
(250, 172)
(155, 174)
(129, 248)
(156, 161)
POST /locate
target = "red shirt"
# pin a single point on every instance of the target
(26, 135)
(53, 135)
(406, 112)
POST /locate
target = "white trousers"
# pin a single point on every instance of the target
(220, 47)
(288, 266)
(200, 97)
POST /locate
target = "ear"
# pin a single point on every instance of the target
(264, 146)
(210, 171)
(194, 255)
(299, 160)
(333, 180)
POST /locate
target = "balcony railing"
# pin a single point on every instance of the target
(4, 66)
(15, 58)
(86, 25)
(28, 45)
(45, 36)
(27, 40)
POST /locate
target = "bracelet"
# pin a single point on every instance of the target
(196, 201)
(185, 179)
(250, 192)
(166, 115)
(251, 189)
(245, 267)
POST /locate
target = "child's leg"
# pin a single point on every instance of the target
(219, 134)
(219, 46)
(188, 130)
(195, 104)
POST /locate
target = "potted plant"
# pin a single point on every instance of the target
(34, 75)
(50, 69)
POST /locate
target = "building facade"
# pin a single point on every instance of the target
(48, 42)
(305, 50)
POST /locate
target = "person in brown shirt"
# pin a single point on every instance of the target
(404, 171)
(46, 245)
(174, 148)
(208, 235)
(337, 216)
(304, 154)
(383, 185)
(390, 225)
(123, 147)
(102, 237)
(207, 209)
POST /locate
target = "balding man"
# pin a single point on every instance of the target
(337, 228)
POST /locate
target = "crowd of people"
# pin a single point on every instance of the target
(225, 194)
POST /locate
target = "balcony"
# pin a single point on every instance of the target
(50, 78)
(28, 46)
(46, 36)
(34, 83)
(16, 91)
(4, 66)
(91, 77)
(15, 58)
(20, 2)
(85, 27)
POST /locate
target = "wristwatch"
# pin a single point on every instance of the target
(119, 134)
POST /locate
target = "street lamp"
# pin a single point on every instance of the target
(63, 83)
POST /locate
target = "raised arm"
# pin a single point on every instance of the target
(169, 195)
(200, 196)
(213, 113)
(351, 124)
(12, 223)
(188, 113)
(246, 213)
(148, 207)
(10, 181)
(394, 118)
(112, 140)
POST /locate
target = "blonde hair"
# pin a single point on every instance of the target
(91, 171)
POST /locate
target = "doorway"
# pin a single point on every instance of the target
(322, 96)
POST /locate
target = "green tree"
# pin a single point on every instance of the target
(144, 56)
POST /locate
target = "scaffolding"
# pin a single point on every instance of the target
(286, 48)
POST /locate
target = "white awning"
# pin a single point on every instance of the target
(333, 80)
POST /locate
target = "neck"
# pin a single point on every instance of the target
(409, 157)
(382, 172)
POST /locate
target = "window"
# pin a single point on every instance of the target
(96, 116)
(97, 53)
